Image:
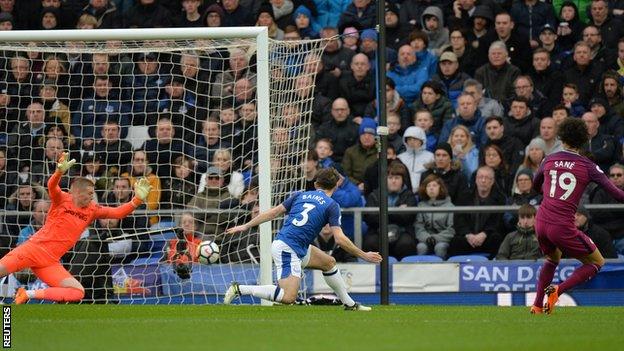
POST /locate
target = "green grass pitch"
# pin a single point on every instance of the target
(251, 328)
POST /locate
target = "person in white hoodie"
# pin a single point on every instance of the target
(416, 155)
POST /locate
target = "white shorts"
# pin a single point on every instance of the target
(286, 261)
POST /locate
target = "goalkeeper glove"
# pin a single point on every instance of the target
(63, 163)
(142, 188)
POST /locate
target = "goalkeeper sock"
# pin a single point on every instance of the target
(267, 292)
(333, 278)
(57, 294)
(545, 278)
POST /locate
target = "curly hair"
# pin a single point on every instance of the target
(573, 132)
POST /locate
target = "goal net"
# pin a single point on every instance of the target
(217, 120)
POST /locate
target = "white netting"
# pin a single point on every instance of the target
(184, 114)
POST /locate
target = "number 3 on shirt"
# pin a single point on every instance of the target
(566, 181)
(304, 214)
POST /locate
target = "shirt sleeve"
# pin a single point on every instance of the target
(54, 190)
(288, 202)
(598, 176)
(335, 218)
(118, 212)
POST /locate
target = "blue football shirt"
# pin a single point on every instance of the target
(308, 212)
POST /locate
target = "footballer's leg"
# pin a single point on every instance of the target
(544, 281)
(317, 259)
(63, 286)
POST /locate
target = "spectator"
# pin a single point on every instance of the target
(214, 16)
(583, 72)
(57, 110)
(336, 59)
(348, 195)
(519, 122)
(409, 74)
(235, 14)
(394, 104)
(493, 157)
(432, 21)
(341, 129)
(244, 150)
(162, 150)
(610, 123)
(548, 39)
(6, 21)
(142, 89)
(434, 230)
(434, 100)
(326, 84)
(611, 89)
(512, 147)
(424, 119)
(415, 156)
(105, 12)
(464, 149)
(94, 170)
(448, 170)
(479, 232)
(50, 18)
(559, 114)
(18, 82)
(324, 150)
(570, 99)
(179, 187)
(611, 27)
(140, 168)
(523, 87)
(360, 12)
(8, 180)
(22, 200)
(43, 165)
(357, 86)
(602, 148)
(190, 16)
(516, 44)
(207, 143)
(523, 193)
(303, 19)
(530, 16)
(612, 221)
(114, 152)
(468, 116)
(395, 31)
(393, 121)
(521, 244)
(548, 134)
(498, 75)
(266, 18)
(450, 76)
(148, 14)
(602, 56)
(534, 153)
(571, 24)
(546, 77)
(40, 211)
(488, 107)
(371, 175)
(311, 166)
(86, 21)
(596, 233)
(359, 156)
(9, 116)
(211, 224)
(401, 239)
(618, 65)
(181, 103)
(222, 159)
(239, 68)
(419, 41)
(26, 139)
(463, 50)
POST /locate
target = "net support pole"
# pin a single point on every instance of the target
(384, 274)
(264, 156)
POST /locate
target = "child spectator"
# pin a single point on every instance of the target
(434, 230)
(521, 244)
(570, 99)
(424, 119)
(302, 17)
(416, 156)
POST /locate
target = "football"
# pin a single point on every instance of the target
(208, 252)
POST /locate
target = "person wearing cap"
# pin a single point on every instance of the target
(600, 236)
(612, 221)
(395, 31)
(361, 155)
(530, 16)
(213, 16)
(302, 17)
(415, 156)
(106, 13)
(362, 12)
(358, 85)
(548, 41)
(521, 244)
(610, 123)
(449, 75)
(432, 21)
(215, 192)
(6, 21)
(603, 148)
(449, 170)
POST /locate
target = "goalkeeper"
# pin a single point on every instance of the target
(69, 215)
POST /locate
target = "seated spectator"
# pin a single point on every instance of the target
(401, 239)
(487, 107)
(409, 74)
(148, 14)
(114, 152)
(360, 12)
(359, 156)
(603, 149)
(23, 200)
(324, 149)
(142, 89)
(162, 150)
(415, 156)
(357, 86)
(523, 87)
(494, 158)
(434, 230)
(140, 168)
(570, 99)
(190, 16)
(512, 147)
(520, 122)
(8, 180)
(43, 166)
(464, 150)
(424, 120)
(371, 175)
(523, 193)
(310, 168)
(179, 187)
(584, 72)
(433, 99)
(238, 68)
(479, 232)
(211, 225)
(325, 241)
(516, 45)
(547, 77)
(464, 51)
(447, 169)
(394, 104)
(222, 159)
(432, 20)
(302, 17)
(548, 134)
(27, 138)
(336, 58)
(469, 116)
(596, 233)
(611, 89)
(521, 244)
(107, 14)
(612, 221)
(498, 75)
(427, 60)
(40, 211)
(209, 141)
(571, 24)
(348, 195)
(449, 75)
(86, 21)
(191, 239)
(559, 114)
(57, 110)
(93, 169)
(393, 121)
(610, 122)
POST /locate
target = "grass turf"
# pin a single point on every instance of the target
(210, 327)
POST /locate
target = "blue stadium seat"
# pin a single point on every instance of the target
(421, 258)
(468, 258)
(163, 224)
(153, 259)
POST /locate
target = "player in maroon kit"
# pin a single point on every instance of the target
(562, 178)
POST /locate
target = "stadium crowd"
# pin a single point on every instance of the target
(475, 90)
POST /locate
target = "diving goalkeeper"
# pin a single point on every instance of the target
(69, 215)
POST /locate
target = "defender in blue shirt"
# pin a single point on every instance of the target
(308, 213)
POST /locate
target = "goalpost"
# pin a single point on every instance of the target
(216, 112)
